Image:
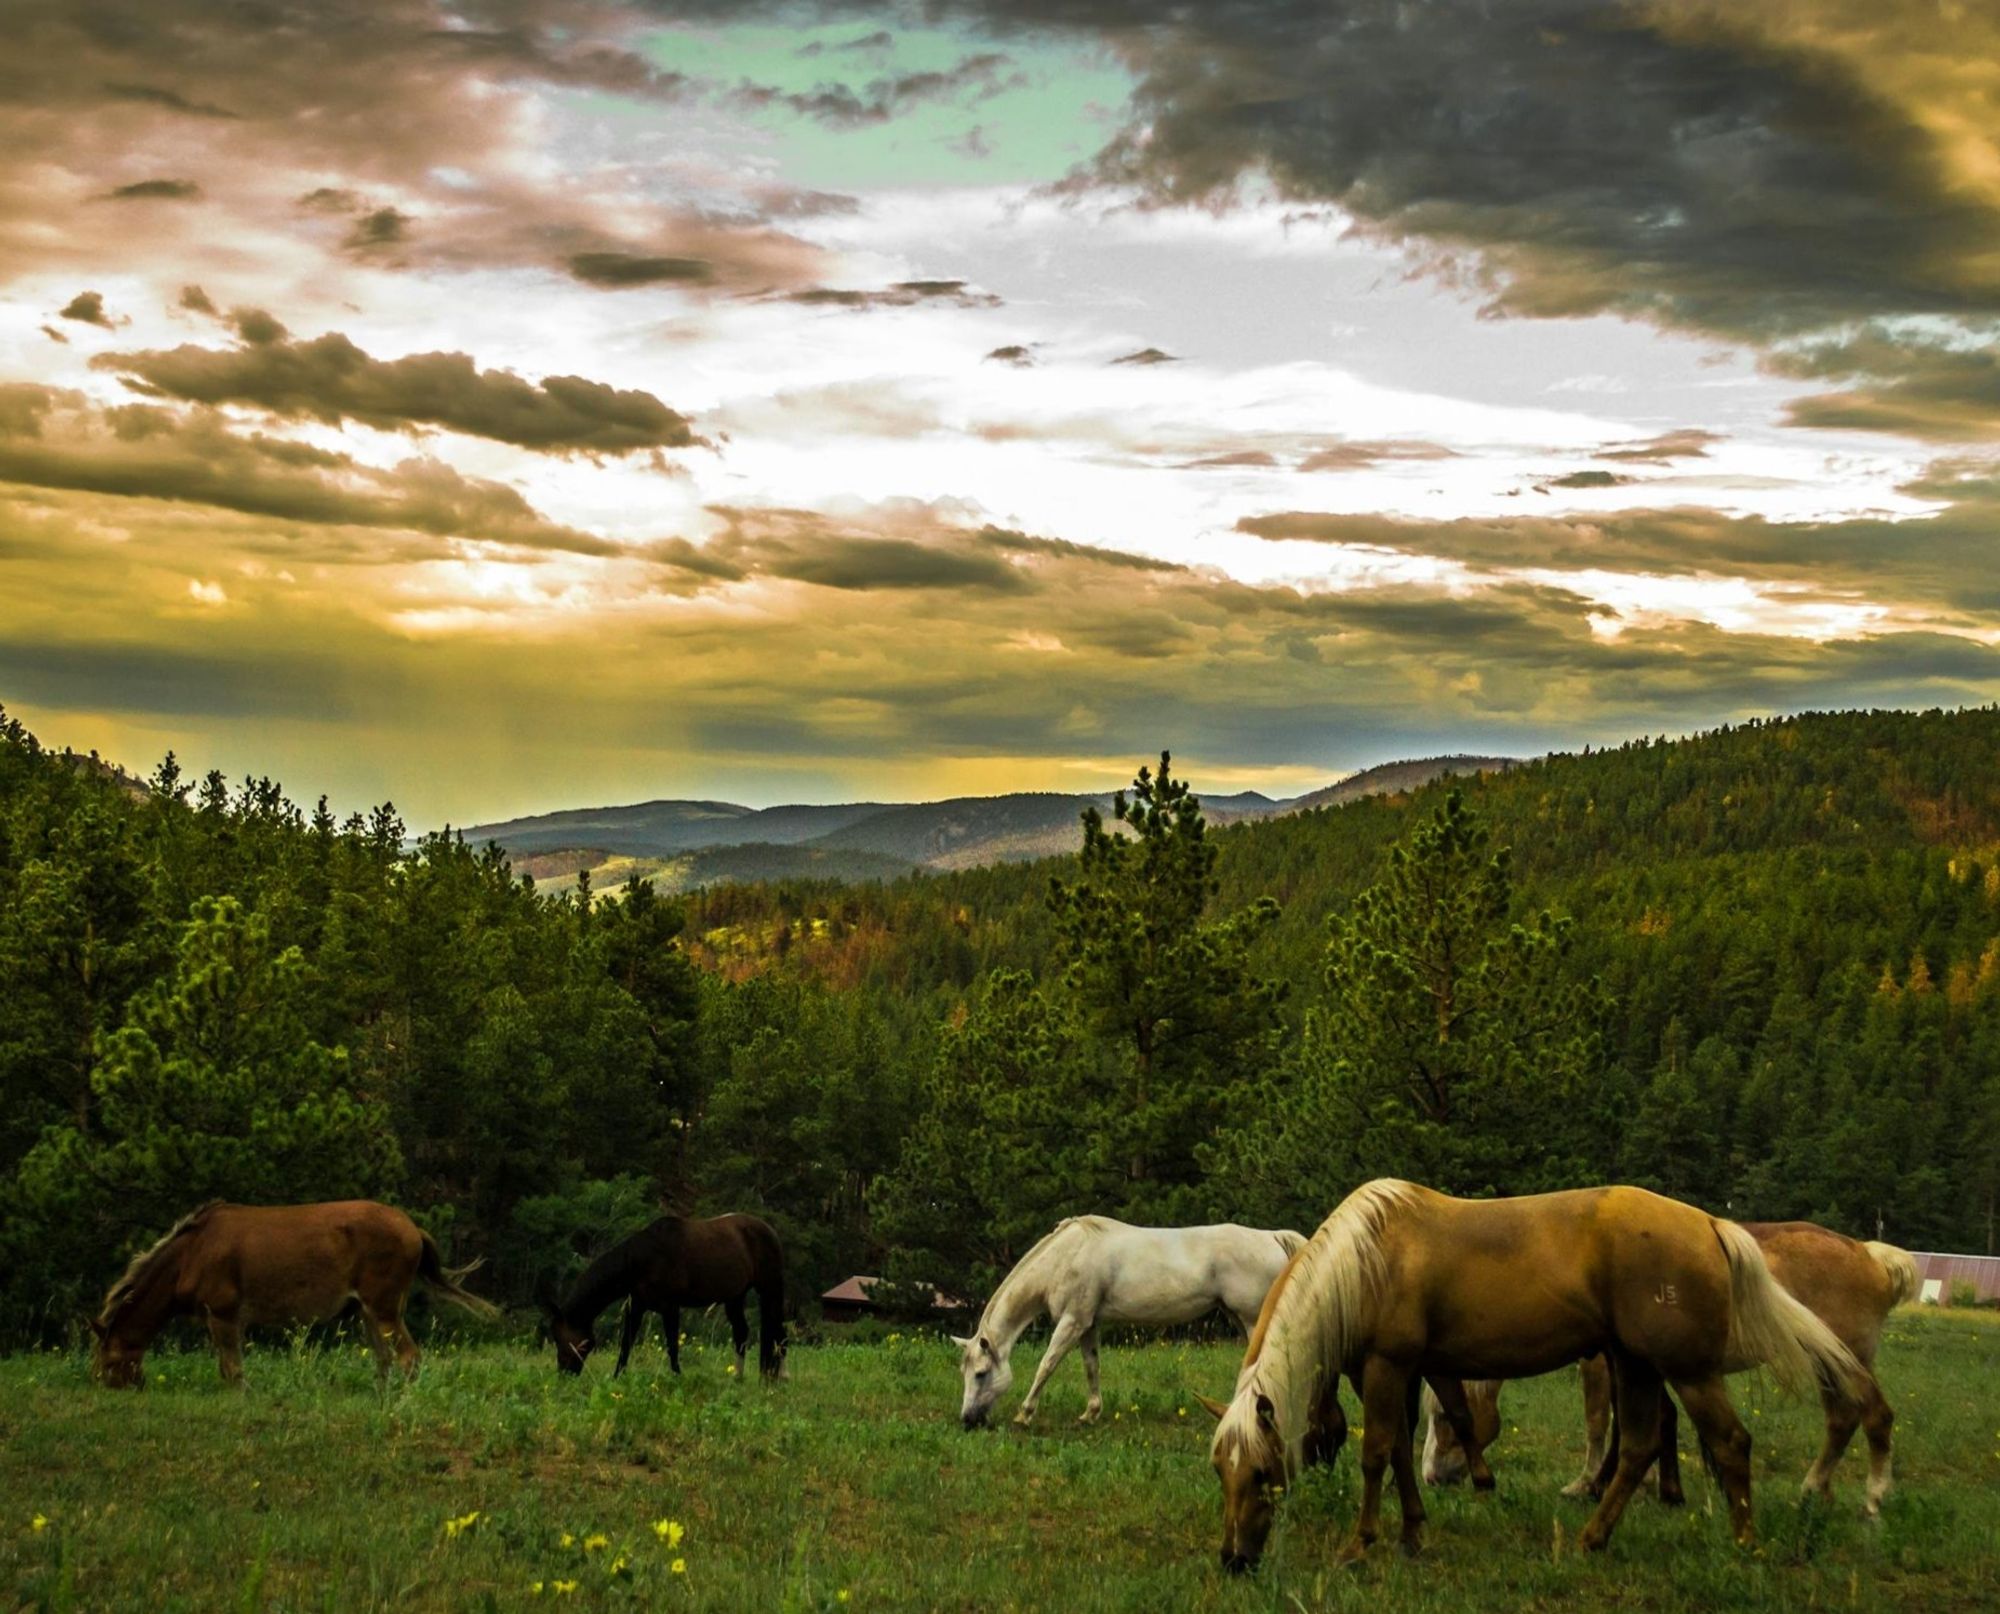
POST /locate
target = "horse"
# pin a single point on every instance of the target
(1849, 1285)
(674, 1262)
(1401, 1281)
(240, 1264)
(1090, 1270)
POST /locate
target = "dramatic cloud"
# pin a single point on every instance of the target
(1147, 355)
(1913, 387)
(842, 106)
(331, 380)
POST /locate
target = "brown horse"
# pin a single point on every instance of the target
(676, 1262)
(238, 1264)
(1850, 1286)
(1400, 1281)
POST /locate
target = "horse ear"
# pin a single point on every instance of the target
(1267, 1414)
(964, 1344)
(1215, 1408)
(97, 1327)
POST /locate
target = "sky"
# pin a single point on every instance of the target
(516, 404)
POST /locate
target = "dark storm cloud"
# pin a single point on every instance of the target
(1589, 479)
(197, 301)
(56, 439)
(331, 380)
(161, 190)
(383, 227)
(87, 308)
(1147, 355)
(1942, 564)
(170, 679)
(173, 101)
(807, 546)
(1911, 386)
(1013, 353)
(618, 270)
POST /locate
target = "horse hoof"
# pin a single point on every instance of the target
(1675, 1498)
(1484, 1482)
(1412, 1547)
(1023, 1419)
(1581, 1490)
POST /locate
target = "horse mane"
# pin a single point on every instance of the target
(1317, 1313)
(146, 1265)
(614, 1272)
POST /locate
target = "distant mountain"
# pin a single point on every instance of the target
(691, 843)
(1393, 778)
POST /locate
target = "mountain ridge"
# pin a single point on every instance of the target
(684, 843)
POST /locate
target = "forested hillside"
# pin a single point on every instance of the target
(1760, 969)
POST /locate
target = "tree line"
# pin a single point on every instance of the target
(1759, 969)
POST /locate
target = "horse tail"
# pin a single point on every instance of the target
(1769, 1325)
(1901, 1268)
(444, 1281)
(770, 1286)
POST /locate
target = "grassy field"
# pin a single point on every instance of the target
(489, 1484)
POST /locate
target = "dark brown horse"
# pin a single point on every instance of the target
(676, 1262)
(238, 1264)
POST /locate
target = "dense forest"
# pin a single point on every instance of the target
(1758, 969)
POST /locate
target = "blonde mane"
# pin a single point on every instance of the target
(1316, 1315)
(143, 1266)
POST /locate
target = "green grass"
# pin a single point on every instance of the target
(851, 1486)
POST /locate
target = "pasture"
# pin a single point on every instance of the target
(491, 1484)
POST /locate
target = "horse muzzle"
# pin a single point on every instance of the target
(973, 1420)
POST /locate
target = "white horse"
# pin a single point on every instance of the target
(1093, 1270)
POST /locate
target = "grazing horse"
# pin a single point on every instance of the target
(238, 1264)
(676, 1262)
(1850, 1286)
(1400, 1281)
(1093, 1270)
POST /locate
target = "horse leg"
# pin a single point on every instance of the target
(1384, 1419)
(739, 1328)
(1670, 1454)
(1638, 1438)
(1454, 1405)
(635, 1321)
(1597, 1453)
(1329, 1427)
(1068, 1331)
(1093, 1409)
(670, 1319)
(225, 1332)
(1728, 1446)
(1402, 1456)
(1879, 1420)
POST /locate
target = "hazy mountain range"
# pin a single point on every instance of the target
(690, 843)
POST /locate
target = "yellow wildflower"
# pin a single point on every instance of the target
(679, 1566)
(534, 1588)
(841, 1595)
(596, 1543)
(669, 1531)
(461, 1524)
(568, 1540)
(562, 1588)
(38, 1522)
(617, 1565)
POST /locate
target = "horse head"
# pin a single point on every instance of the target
(1249, 1457)
(115, 1361)
(988, 1375)
(573, 1344)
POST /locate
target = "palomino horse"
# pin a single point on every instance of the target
(1400, 1281)
(1093, 1270)
(238, 1264)
(676, 1262)
(1850, 1286)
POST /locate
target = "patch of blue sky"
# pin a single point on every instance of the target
(1048, 106)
